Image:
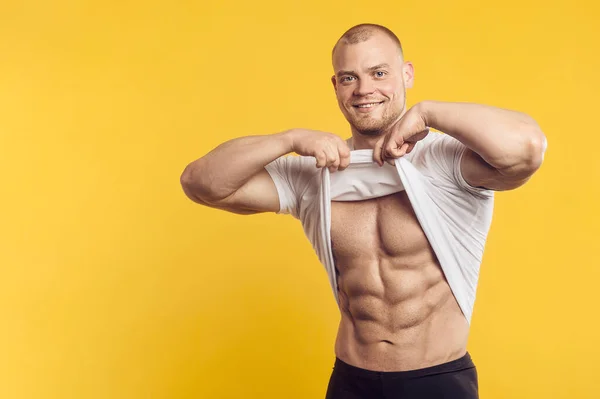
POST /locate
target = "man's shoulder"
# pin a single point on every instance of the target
(439, 158)
(432, 137)
(426, 145)
(295, 168)
(300, 163)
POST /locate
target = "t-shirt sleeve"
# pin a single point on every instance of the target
(291, 176)
(443, 156)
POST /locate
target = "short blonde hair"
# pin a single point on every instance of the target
(363, 32)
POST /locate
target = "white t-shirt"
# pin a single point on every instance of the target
(454, 216)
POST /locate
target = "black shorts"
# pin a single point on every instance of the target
(456, 379)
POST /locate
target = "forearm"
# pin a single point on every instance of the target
(229, 166)
(507, 140)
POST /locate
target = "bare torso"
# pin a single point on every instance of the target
(398, 312)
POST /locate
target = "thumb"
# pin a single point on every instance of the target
(397, 152)
(393, 146)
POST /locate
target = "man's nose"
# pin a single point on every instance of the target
(364, 87)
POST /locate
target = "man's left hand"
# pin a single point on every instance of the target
(402, 137)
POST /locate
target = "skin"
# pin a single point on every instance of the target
(366, 72)
(397, 310)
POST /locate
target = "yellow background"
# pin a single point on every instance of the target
(114, 285)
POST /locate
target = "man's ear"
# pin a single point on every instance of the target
(334, 83)
(408, 74)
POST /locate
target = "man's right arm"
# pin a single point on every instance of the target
(232, 177)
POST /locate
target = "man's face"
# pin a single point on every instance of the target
(370, 82)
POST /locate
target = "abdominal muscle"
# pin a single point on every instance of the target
(397, 310)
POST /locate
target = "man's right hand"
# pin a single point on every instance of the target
(233, 177)
(328, 149)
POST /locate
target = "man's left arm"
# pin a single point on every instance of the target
(504, 148)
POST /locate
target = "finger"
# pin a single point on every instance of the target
(403, 149)
(377, 152)
(344, 153)
(321, 158)
(383, 155)
(334, 167)
(394, 152)
(393, 149)
(336, 164)
(332, 156)
(390, 142)
(391, 152)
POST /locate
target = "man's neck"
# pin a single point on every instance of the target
(362, 142)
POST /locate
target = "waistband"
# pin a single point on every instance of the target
(462, 363)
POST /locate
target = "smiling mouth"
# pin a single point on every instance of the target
(367, 105)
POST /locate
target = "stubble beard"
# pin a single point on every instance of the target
(369, 126)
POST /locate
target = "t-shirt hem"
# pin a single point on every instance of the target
(478, 191)
(279, 187)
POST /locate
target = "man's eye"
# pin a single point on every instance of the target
(380, 74)
(347, 78)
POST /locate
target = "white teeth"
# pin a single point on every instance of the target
(367, 105)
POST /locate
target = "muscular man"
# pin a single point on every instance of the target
(397, 214)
